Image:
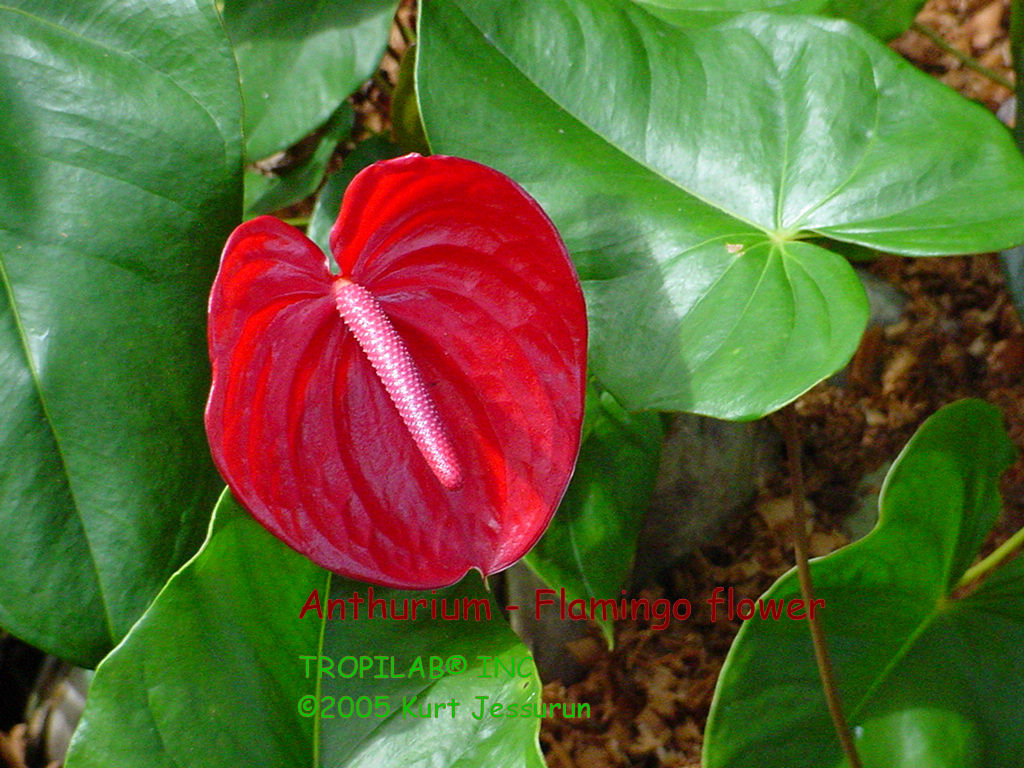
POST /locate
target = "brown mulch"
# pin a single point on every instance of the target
(650, 696)
(959, 336)
(12, 747)
(977, 28)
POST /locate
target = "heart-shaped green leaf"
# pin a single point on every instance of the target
(589, 546)
(689, 171)
(232, 658)
(909, 653)
(121, 138)
(424, 729)
(299, 59)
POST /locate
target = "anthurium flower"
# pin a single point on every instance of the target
(417, 414)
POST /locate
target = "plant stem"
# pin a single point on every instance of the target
(803, 569)
(382, 82)
(317, 685)
(1005, 551)
(297, 221)
(968, 61)
(408, 35)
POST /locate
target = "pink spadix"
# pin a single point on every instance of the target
(416, 413)
(401, 378)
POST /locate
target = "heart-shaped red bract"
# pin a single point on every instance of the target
(479, 289)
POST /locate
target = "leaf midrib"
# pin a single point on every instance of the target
(908, 644)
(30, 363)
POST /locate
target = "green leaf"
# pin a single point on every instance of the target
(405, 111)
(588, 549)
(685, 167)
(216, 671)
(122, 179)
(704, 13)
(211, 675)
(500, 672)
(914, 663)
(883, 18)
(299, 59)
(265, 194)
(328, 204)
(918, 737)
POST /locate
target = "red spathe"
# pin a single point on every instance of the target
(478, 286)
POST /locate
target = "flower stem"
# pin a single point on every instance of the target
(1004, 552)
(318, 684)
(381, 81)
(803, 569)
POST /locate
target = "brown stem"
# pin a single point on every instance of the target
(803, 569)
(963, 58)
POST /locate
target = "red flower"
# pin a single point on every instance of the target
(419, 414)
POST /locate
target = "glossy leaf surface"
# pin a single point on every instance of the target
(919, 737)
(214, 675)
(121, 178)
(690, 205)
(1012, 262)
(704, 13)
(476, 283)
(913, 661)
(883, 18)
(299, 60)
(589, 547)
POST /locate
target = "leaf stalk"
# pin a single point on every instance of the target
(1001, 554)
(803, 568)
(968, 61)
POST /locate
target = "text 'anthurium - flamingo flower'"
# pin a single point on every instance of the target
(418, 414)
